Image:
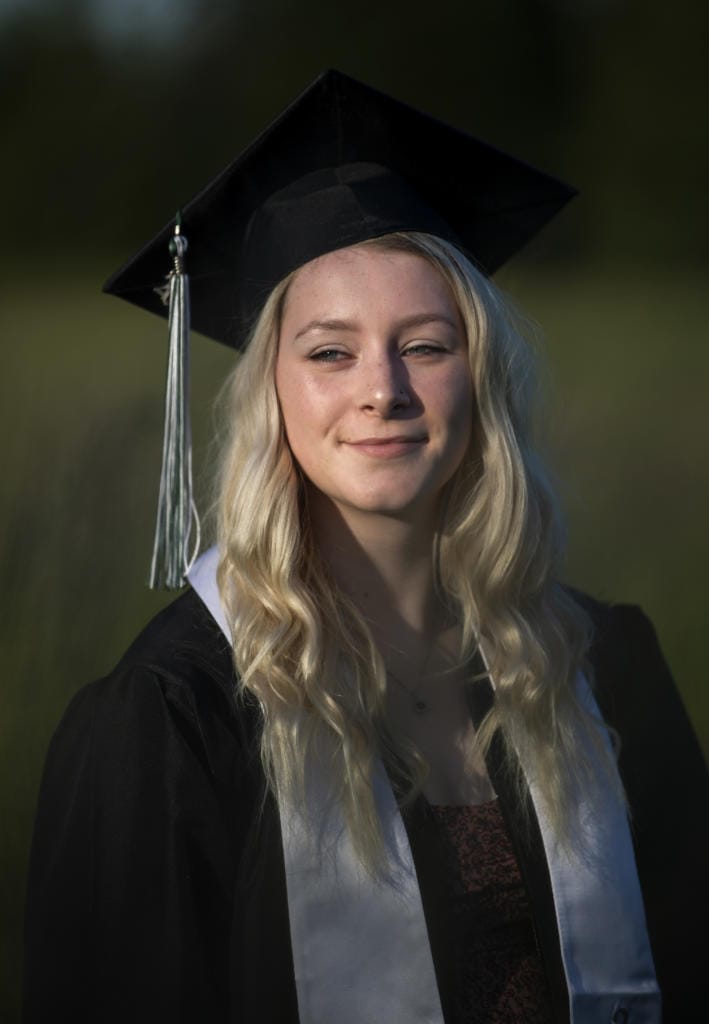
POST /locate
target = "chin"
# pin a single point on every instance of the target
(393, 505)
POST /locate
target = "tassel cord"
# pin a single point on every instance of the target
(177, 515)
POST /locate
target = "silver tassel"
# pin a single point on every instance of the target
(176, 508)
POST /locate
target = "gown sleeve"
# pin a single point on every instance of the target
(132, 865)
(667, 786)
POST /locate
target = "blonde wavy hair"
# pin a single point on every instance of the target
(305, 651)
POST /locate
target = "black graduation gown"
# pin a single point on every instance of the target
(157, 886)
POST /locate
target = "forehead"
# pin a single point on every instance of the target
(362, 279)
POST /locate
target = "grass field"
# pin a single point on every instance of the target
(628, 363)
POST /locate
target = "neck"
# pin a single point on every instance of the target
(385, 564)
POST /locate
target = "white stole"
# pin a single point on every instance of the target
(360, 949)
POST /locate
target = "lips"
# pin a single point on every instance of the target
(387, 447)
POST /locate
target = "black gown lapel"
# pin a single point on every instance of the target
(430, 861)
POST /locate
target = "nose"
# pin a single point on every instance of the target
(385, 387)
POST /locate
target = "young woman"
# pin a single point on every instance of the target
(376, 764)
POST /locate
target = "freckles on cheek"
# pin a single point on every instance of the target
(314, 397)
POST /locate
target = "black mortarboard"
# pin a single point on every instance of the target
(343, 163)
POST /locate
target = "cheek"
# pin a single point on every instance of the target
(305, 409)
(461, 419)
(306, 395)
(287, 401)
(290, 393)
(460, 402)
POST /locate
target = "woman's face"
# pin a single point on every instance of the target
(373, 380)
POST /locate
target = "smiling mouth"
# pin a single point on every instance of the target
(387, 447)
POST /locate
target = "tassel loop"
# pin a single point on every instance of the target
(177, 513)
(178, 247)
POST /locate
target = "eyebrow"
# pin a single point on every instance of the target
(415, 320)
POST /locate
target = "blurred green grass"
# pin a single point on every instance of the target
(81, 419)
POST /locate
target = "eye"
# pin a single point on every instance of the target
(327, 355)
(424, 348)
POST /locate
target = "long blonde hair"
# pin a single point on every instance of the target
(304, 650)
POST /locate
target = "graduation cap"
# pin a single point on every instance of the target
(341, 164)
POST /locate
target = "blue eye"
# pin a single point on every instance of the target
(327, 355)
(423, 348)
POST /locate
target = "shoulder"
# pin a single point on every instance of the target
(173, 691)
(182, 639)
(618, 628)
(632, 681)
(625, 656)
(635, 688)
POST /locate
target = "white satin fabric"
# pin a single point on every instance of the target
(361, 951)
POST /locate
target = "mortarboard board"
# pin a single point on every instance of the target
(341, 164)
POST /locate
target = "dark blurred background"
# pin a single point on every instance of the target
(114, 113)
